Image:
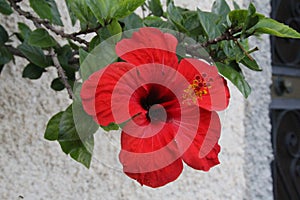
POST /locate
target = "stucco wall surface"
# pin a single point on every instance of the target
(34, 168)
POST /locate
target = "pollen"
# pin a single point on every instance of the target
(197, 89)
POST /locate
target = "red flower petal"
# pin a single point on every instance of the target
(96, 92)
(149, 45)
(218, 95)
(159, 177)
(203, 152)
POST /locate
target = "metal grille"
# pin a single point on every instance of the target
(285, 106)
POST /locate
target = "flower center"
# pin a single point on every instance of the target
(198, 88)
(157, 113)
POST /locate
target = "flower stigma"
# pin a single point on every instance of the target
(197, 89)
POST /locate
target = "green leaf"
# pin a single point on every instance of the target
(273, 27)
(220, 7)
(1, 68)
(5, 55)
(132, 21)
(101, 9)
(47, 9)
(155, 7)
(79, 149)
(57, 85)
(124, 8)
(84, 123)
(235, 5)
(110, 127)
(251, 19)
(175, 17)
(5, 8)
(112, 29)
(82, 55)
(41, 38)
(72, 15)
(209, 23)
(67, 129)
(101, 56)
(52, 128)
(64, 54)
(250, 63)
(80, 9)
(237, 17)
(25, 31)
(104, 10)
(230, 72)
(3, 35)
(153, 21)
(35, 55)
(32, 71)
(192, 24)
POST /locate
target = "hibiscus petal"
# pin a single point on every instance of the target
(96, 92)
(159, 177)
(149, 45)
(202, 154)
(217, 97)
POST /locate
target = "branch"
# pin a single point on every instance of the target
(87, 31)
(61, 74)
(227, 35)
(38, 22)
(17, 52)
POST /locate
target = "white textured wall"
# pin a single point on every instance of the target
(37, 169)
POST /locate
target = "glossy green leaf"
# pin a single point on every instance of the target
(124, 8)
(192, 24)
(155, 7)
(72, 15)
(32, 71)
(5, 8)
(35, 55)
(84, 123)
(1, 68)
(235, 77)
(79, 149)
(101, 56)
(153, 21)
(101, 9)
(57, 85)
(209, 23)
(237, 17)
(46, 9)
(25, 31)
(3, 35)
(67, 129)
(235, 5)
(132, 21)
(112, 29)
(175, 16)
(220, 7)
(273, 27)
(52, 128)
(251, 19)
(64, 55)
(250, 63)
(110, 127)
(41, 38)
(5, 55)
(104, 10)
(80, 9)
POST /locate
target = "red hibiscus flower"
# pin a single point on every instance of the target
(168, 107)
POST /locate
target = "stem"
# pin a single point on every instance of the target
(17, 52)
(38, 22)
(227, 35)
(61, 74)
